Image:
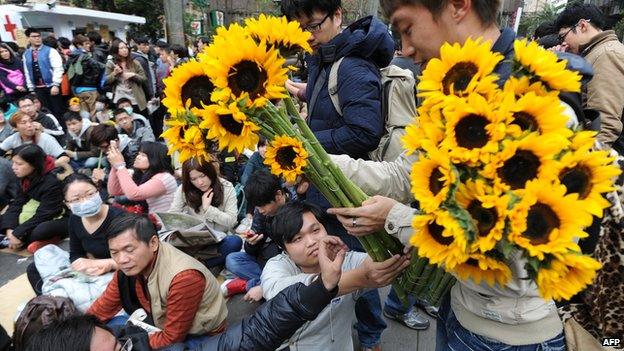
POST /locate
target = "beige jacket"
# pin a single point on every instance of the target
(605, 92)
(222, 218)
(212, 310)
(136, 82)
(514, 314)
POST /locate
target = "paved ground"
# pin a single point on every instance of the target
(395, 338)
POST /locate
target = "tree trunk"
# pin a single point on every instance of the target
(372, 7)
(174, 21)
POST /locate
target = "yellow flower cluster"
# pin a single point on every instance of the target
(501, 172)
(241, 70)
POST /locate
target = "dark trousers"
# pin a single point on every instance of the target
(48, 230)
(34, 278)
(53, 102)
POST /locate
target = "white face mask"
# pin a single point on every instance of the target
(129, 110)
(87, 208)
(99, 106)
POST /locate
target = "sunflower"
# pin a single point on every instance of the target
(487, 210)
(187, 87)
(481, 267)
(223, 40)
(287, 157)
(440, 238)
(583, 140)
(461, 70)
(473, 130)
(544, 66)
(432, 179)
(566, 275)
(287, 37)
(589, 175)
(546, 220)
(229, 126)
(188, 140)
(524, 160)
(247, 70)
(426, 132)
(518, 86)
(534, 113)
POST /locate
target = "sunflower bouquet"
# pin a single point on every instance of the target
(502, 174)
(235, 91)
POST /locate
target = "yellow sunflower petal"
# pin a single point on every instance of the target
(288, 37)
(440, 238)
(431, 180)
(566, 275)
(230, 127)
(287, 157)
(480, 267)
(187, 86)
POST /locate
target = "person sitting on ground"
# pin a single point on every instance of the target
(74, 106)
(27, 133)
(36, 216)
(126, 104)
(5, 128)
(205, 195)
(103, 112)
(9, 184)
(137, 129)
(88, 225)
(265, 193)
(79, 147)
(102, 136)
(180, 295)
(152, 181)
(265, 330)
(299, 230)
(46, 121)
(253, 165)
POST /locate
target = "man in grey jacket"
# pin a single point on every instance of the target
(480, 316)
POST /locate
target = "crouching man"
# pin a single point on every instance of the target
(298, 228)
(180, 295)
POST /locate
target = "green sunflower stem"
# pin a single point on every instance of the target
(442, 289)
(424, 281)
(434, 282)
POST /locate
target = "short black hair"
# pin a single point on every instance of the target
(64, 42)
(544, 29)
(162, 44)
(103, 133)
(119, 111)
(142, 227)
(261, 188)
(76, 178)
(180, 50)
(298, 8)
(487, 10)
(289, 219)
(578, 11)
(73, 333)
(204, 39)
(141, 40)
(123, 100)
(24, 98)
(31, 30)
(262, 141)
(72, 116)
(95, 37)
(51, 42)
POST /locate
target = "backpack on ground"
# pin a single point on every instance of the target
(398, 107)
(38, 313)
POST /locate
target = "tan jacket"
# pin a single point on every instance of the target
(212, 311)
(605, 92)
(136, 82)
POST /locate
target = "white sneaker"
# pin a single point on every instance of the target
(244, 226)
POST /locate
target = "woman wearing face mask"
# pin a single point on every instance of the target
(12, 80)
(206, 196)
(103, 113)
(36, 217)
(153, 180)
(125, 76)
(88, 224)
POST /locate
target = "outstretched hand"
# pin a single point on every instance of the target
(331, 255)
(367, 219)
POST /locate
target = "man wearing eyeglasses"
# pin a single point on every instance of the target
(354, 125)
(43, 68)
(581, 31)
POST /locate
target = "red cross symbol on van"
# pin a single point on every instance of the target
(10, 27)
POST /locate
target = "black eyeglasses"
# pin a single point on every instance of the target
(316, 26)
(561, 37)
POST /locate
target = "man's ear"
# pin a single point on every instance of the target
(459, 8)
(154, 242)
(338, 18)
(278, 194)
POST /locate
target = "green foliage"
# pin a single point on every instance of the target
(530, 21)
(151, 10)
(619, 29)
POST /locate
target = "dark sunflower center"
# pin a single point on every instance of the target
(473, 262)
(435, 183)
(247, 77)
(519, 169)
(198, 90)
(459, 77)
(470, 132)
(541, 220)
(577, 180)
(181, 132)
(486, 217)
(436, 233)
(525, 121)
(285, 156)
(230, 124)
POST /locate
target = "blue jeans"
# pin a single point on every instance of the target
(370, 324)
(245, 266)
(229, 244)
(91, 163)
(396, 306)
(451, 336)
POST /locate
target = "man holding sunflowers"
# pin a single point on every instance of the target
(474, 316)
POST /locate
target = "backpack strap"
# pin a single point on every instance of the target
(332, 85)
